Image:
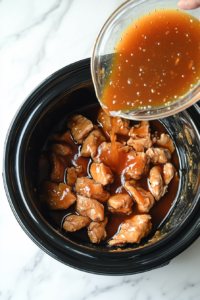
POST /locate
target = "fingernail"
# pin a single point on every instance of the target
(183, 4)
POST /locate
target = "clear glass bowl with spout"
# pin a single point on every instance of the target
(104, 49)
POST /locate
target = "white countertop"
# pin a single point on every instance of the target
(37, 38)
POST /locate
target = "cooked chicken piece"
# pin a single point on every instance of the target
(90, 208)
(80, 127)
(88, 187)
(60, 149)
(115, 158)
(57, 196)
(106, 147)
(141, 130)
(144, 142)
(65, 137)
(156, 184)
(132, 230)
(159, 155)
(104, 153)
(144, 199)
(58, 167)
(71, 176)
(92, 142)
(101, 173)
(121, 126)
(74, 222)
(133, 164)
(141, 138)
(168, 172)
(138, 165)
(166, 142)
(120, 203)
(97, 231)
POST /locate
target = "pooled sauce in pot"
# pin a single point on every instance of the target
(53, 174)
(156, 62)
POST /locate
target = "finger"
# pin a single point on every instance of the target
(189, 4)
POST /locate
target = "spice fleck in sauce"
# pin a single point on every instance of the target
(155, 64)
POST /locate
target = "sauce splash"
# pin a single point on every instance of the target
(155, 64)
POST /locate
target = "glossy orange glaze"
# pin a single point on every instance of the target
(118, 159)
(57, 196)
(156, 62)
(160, 209)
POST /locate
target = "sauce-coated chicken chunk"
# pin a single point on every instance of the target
(104, 153)
(144, 199)
(88, 187)
(140, 136)
(168, 172)
(57, 196)
(120, 203)
(138, 165)
(71, 176)
(132, 230)
(166, 142)
(97, 231)
(156, 184)
(73, 223)
(90, 208)
(101, 173)
(58, 168)
(121, 126)
(140, 143)
(92, 142)
(141, 130)
(80, 127)
(159, 155)
(60, 149)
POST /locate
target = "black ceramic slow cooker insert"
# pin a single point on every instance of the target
(64, 92)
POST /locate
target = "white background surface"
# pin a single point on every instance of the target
(37, 38)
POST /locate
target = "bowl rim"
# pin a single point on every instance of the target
(84, 262)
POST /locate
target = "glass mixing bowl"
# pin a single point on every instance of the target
(104, 50)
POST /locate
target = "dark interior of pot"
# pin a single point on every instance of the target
(181, 128)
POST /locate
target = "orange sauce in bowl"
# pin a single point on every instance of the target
(156, 62)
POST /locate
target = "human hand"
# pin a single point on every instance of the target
(189, 4)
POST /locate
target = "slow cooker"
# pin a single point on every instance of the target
(66, 91)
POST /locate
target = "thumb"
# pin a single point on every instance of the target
(189, 4)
